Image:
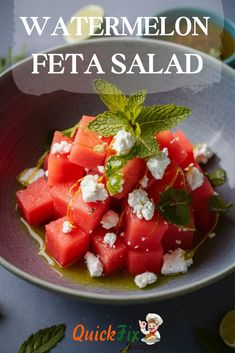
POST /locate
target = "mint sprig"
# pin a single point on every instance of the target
(174, 206)
(130, 114)
(44, 340)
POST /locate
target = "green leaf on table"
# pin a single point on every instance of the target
(217, 204)
(111, 95)
(43, 340)
(174, 205)
(109, 123)
(211, 341)
(158, 118)
(217, 177)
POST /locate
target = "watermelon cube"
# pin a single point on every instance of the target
(175, 237)
(61, 196)
(176, 152)
(35, 202)
(65, 248)
(187, 145)
(60, 169)
(139, 261)
(88, 150)
(141, 234)
(113, 258)
(87, 215)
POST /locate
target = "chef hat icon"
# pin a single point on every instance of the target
(151, 317)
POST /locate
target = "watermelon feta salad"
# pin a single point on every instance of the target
(121, 192)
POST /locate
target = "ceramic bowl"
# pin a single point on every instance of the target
(33, 105)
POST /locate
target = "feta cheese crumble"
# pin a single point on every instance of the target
(110, 239)
(141, 204)
(144, 279)
(67, 227)
(92, 190)
(110, 220)
(94, 265)
(202, 153)
(62, 147)
(100, 169)
(194, 177)
(175, 262)
(144, 181)
(30, 175)
(158, 164)
(211, 235)
(123, 142)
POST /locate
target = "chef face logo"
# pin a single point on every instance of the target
(149, 328)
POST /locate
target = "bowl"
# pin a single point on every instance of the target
(31, 106)
(223, 32)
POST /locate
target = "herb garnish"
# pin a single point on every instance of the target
(174, 205)
(217, 177)
(130, 114)
(43, 340)
(217, 204)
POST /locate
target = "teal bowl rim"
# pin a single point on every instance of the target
(116, 299)
(224, 22)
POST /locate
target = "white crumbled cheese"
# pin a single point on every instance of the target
(92, 190)
(158, 164)
(100, 169)
(123, 142)
(211, 235)
(202, 153)
(178, 242)
(194, 177)
(110, 220)
(110, 239)
(144, 181)
(67, 227)
(62, 147)
(175, 262)
(145, 279)
(94, 265)
(46, 173)
(30, 175)
(141, 204)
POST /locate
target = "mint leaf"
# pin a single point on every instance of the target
(147, 145)
(217, 204)
(135, 104)
(158, 118)
(174, 205)
(44, 340)
(108, 124)
(111, 95)
(116, 162)
(114, 183)
(217, 177)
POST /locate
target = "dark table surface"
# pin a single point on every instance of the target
(25, 308)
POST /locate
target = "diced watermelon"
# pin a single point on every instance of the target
(35, 202)
(141, 261)
(60, 169)
(141, 234)
(112, 258)
(89, 150)
(87, 215)
(61, 196)
(204, 218)
(132, 173)
(176, 237)
(187, 145)
(176, 152)
(65, 248)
